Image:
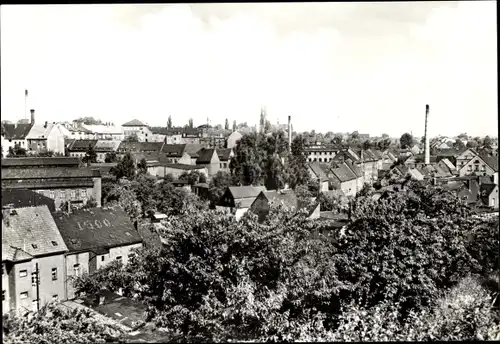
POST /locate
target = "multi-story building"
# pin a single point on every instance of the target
(15, 134)
(191, 135)
(32, 259)
(174, 136)
(225, 156)
(45, 137)
(79, 148)
(210, 159)
(322, 153)
(62, 184)
(151, 148)
(95, 237)
(76, 131)
(106, 131)
(141, 130)
(104, 147)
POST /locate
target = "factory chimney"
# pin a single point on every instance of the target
(290, 133)
(32, 116)
(427, 158)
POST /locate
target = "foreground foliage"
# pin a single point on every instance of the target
(57, 324)
(218, 278)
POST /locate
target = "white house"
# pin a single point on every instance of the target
(45, 137)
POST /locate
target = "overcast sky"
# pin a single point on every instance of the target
(338, 67)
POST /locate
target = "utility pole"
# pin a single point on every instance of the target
(36, 280)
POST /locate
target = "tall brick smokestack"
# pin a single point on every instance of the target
(290, 133)
(427, 152)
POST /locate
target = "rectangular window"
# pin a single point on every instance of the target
(476, 168)
(52, 194)
(23, 273)
(119, 258)
(55, 297)
(102, 258)
(76, 269)
(469, 168)
(73, 194)
(24, 295)
(483, 168)
(33, 279)
(3, 295)
(83, 193)
(54, 274)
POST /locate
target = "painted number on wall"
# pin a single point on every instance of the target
(93, 225)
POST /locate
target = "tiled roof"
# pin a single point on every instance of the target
(16, 131)
(193, 148)
(26, 198)
(245, 191)
(448, 164)
(285, 198)
(103, 168)
(486, 190)
(134, 123)
(78, 129)
(106, 145)
(33, 231)
(441, 172)
(82, 145)
(140, 146)
(173, 150)
(46, 173)
(40, 131)
(490, 161)
(103, 129)
(343, 173)
(159, 130)
(318, 171)
(415, 173)
(224, 153)
(36, 161)
(355, 168)
(205, 156)
(184, 167)
(96, 228)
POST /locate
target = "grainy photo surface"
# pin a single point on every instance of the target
(260, 172)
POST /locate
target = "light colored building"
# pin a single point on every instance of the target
(105, 131)
(32, 259)
(321, 154)
(46, 137)
(14, 135)
(136, 127)
(103, 147)
(479, 165)
(225, 156)
(317, 171)
(95, 237)
(79, 148)
(76, 131)
(210, 159)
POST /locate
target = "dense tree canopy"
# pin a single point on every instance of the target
(220, 279)
(132, 138)
(124, 168)
(406, 140)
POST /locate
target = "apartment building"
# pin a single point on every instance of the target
(32, 259)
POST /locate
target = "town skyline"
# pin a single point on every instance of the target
(227, 61)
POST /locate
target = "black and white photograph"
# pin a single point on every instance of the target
(250, 172)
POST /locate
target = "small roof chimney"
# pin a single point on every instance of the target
(32, 116)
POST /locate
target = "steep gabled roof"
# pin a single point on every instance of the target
(16, 131)
(82, 145)
(134, 123)
(40, 131)
(245, 191)
(318, 171)
(173, 150)
(107, 145)
(224, 153)
(490, 161)
(205, 156)
(140, 146)
(20, 198)
(31, 230)
(286, 198)
(354, 168)
(97, 229)
(343, 173)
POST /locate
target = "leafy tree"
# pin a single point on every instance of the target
(123, 195)
(192, 177)
(169, 178)
(336, 204)
(267, 126)
(487, 141)
(218, 184)
(45, 153)
(337, 139)
(190, 123)
(89, 120)
(146, 192)
(367, 145)
(234, 126)
(298, 173)
(458, 144)
(124, 168)
(354, 136)
(142, 166)
(406, 140)
(90, 156)
(132, 138)
(471, 144)
(55, 323)
(110, 157)
(16, 152)
(203, 178)
(169, 122)
(226, 126)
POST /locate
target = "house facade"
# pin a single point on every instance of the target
(237, 200)
(32, 258)
(210, 159)
(479, 165)
(45, 137)
(79, 148)
(95, 237)
(141, 130)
